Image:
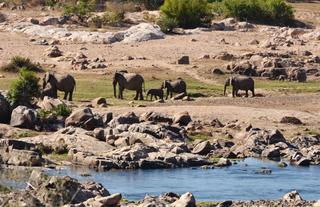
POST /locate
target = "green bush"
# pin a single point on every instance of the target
(18, 62)
(62, 110)
(80, 8)
(113, 18)
(262, 11)
(185, 13)
(25, 89)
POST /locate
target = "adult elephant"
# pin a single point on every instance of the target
(178, 86)
(65, 83)
(241, 82)
(130, 81)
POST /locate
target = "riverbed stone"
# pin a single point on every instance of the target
(186, 200)
(292, 197)
(23, 117)
(202, 148)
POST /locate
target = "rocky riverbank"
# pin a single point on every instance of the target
(44, 190)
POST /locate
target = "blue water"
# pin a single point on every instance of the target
(238, 182)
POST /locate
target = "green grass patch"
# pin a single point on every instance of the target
(294, 87)
(57, 157)
(4, 189)
(199, 136)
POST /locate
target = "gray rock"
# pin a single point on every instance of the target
(184, 60)
(23, 117)
(143, 32)
(292, 197)
(202, 148)
(290, 120)
(223, 162)
(186, 200)
(126, 118)
(182, 118)
(272, 153)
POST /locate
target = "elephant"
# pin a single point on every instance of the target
(130, 81)
(156, 92)
(178, 86)
(240, 83)
(299, 75)
(49, 91)
(65, 83)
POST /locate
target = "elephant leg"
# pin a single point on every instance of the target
(136, 97)
(233, 92)
(237, 92)
(156, 97)
(247, 93)
(70, 95)
(65, 95)
(171, 94)
(167, 94)
(151, 97)
(253, 94)
(121, 93)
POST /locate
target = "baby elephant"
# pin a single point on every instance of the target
(157, 93)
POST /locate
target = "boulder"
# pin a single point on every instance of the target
(292, 197)
(186, 200)
(202, 148)
(107, 117)
(112, 200)
(271, 152)
(49, 103)
(184, 60)
(182, 118)
(19, 153)
(142, 32)
(264, 171)
(223, 162)
(5, 110)
(23, 117)
(49, 21)
(98, 102)
(217, 71)
(126, 118)
(290, 120)
(274, 136)
(153, 164)
(83, 118)
(57, 191)
(99, 134)
(156, 117)
(54, 51)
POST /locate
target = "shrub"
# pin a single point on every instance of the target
(185, 13)
(80, 8)
(18, 62)
(25, 89)
(113, 18)
(263, 11)
(62, 110)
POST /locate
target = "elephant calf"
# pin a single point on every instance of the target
(241, 82)
(157, 93)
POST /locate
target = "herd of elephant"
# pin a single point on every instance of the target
(53, 82)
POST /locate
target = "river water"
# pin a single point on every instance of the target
(238, 182)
